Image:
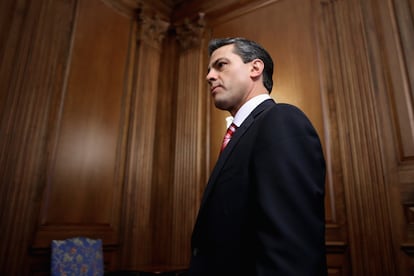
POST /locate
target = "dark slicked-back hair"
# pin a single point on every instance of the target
(248, 50)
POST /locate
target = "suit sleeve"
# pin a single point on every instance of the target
(288, 175)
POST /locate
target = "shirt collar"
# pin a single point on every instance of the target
(247, 108)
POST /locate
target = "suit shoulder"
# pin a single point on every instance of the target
(287, 119)
(287, 111)
(285, 107)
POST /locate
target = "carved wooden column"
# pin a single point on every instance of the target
(143, 76)
(190, 146)
(349, 94)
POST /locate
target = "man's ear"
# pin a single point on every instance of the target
(257, 68)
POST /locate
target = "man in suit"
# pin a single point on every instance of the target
(262, 212)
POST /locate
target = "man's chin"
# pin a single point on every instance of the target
(221, 105)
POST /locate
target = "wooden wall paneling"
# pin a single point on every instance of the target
(35, 46)
(190, 141)
(348, 81)
(391, 42)
(87, 143)
(136, 252)
(14, 16)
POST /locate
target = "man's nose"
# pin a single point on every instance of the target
(211, 76)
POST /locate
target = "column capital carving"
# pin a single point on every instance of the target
(151, 29)
(190, 33)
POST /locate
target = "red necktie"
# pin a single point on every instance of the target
(232, 128)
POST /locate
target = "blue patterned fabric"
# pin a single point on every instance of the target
(77, 256)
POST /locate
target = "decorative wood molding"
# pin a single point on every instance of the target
(336, 247)
(46, 233)
(152, 22)
(190, 149)
(151, 29)
(190, 33)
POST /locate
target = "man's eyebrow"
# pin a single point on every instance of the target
(212, 65)
(215, 63)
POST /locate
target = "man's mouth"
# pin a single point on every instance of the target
(214, 88)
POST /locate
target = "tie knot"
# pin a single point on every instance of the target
(232, 128)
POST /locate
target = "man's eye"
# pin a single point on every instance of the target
(221, 64)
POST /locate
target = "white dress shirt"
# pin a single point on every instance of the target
(246, 109)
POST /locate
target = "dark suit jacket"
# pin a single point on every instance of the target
(262, 212)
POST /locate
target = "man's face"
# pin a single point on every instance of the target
(229, 79)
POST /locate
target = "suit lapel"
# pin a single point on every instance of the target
(233, 142)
